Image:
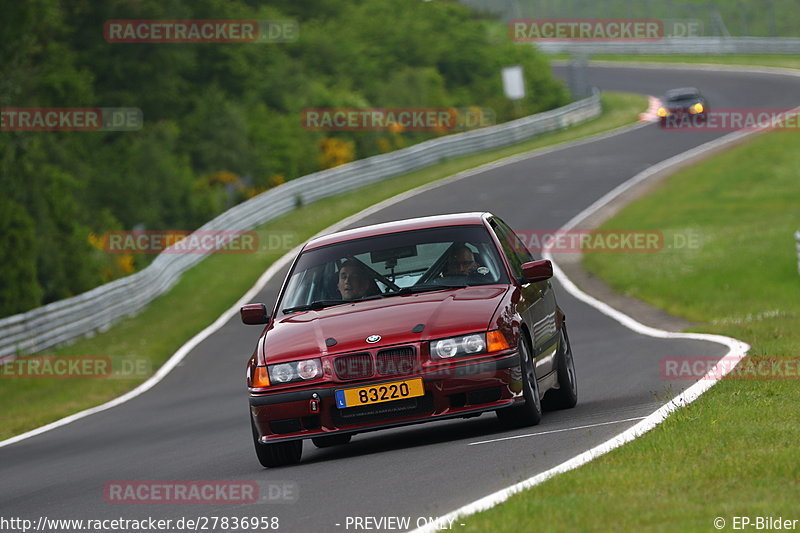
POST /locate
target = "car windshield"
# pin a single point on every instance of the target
(395, 264)
(682, 98)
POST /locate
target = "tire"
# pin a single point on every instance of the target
(529, 413)
(277, 454)
(566, 395)
(332, 440)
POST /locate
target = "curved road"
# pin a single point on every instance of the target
(193, 425)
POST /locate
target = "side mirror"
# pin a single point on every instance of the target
(254, 314)
(537, 270)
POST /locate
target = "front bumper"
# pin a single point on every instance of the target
(682, 117)
(459, 390)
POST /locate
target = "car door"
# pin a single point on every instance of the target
(538, 304)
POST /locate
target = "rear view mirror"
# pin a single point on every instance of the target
(537, 270)
(254, 314)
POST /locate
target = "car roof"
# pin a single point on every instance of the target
(436, 221)
(681, 93)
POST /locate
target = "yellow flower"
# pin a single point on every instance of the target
(125, 263)
(383, 145)
(336, 152)
(97, 241)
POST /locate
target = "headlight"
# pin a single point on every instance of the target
(295, 371)
(471, 344)
(309, 369)
(662, 112)
(444, 348)
(696, 108)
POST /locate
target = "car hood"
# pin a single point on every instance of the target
(443, 313)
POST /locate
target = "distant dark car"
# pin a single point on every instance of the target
(458, 318)
(685, 105)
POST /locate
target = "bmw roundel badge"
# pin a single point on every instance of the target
(372, 339)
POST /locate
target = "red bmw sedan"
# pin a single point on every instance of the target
(406, 322)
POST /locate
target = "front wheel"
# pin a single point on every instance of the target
(277, 454)
(529, 413)
(566, 395)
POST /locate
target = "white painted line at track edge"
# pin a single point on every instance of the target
(562, 430)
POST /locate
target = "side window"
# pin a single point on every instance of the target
(514, 248)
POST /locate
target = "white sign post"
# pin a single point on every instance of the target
(797, 244)
(514, 85)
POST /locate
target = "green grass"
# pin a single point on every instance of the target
(208, 289)
(734, 451)
(786, 61)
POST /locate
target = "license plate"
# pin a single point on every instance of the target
(384, 392)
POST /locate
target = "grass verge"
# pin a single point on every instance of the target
(734, 451)
(208, 289)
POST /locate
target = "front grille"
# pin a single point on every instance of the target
(354, 366)
(396, 361)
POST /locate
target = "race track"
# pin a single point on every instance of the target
(193, 425)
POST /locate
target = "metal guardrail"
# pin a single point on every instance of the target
(678, 45)
(99, 308)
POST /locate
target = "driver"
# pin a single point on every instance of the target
(460, 261)
(354, 281)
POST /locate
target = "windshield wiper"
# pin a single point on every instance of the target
(426, 287)
(317, 304)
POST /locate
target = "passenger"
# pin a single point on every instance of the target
(460, 261)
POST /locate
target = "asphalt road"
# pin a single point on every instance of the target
(193, 425)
